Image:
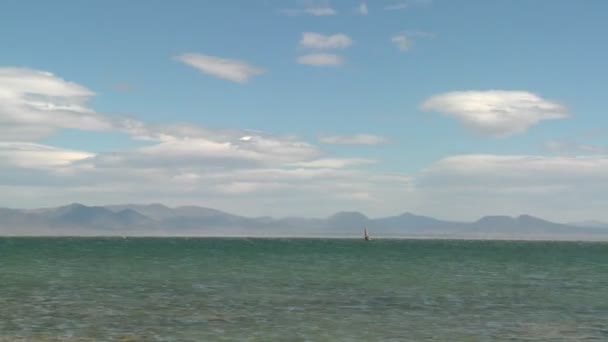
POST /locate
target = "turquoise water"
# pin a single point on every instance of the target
(140, 289)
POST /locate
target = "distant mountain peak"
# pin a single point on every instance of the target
(158, 219)
(131, 216)
(530, 218)
(408, 214)
(496, 218)
(129, 212)
(74, 205)
(348, 214)
(158, 205)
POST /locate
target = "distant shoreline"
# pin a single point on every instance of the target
(228, 237)
(156, 220)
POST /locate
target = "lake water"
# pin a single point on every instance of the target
(211, 289)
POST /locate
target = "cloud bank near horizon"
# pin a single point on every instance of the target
(257, 173)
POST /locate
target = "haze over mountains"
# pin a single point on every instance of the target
(160, 220)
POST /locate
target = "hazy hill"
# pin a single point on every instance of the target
(590, 224)
(158, 219)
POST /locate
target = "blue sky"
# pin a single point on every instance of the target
(449, 108)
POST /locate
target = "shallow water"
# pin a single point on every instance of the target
(153, 289)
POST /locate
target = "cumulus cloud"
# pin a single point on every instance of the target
(320, 59)
(357, 139)
(177, 164)
(258, 173)
(496, 113)
(313, 40)
(35, 104)
(228, 69)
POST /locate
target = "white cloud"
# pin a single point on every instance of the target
(363, 9)
(406, 4)
(320, 11)
(37, 156)
(225, 150)
(313, 40)
(239, 187)
(402, 41)
(320, 59)
(316, 11)
(574, 148)
(560, 188)
(257, 173)
(228, 69)
(317, 8)
(397, 6)
(405, 40)
(230, 169)
(496, 113)
(255, 191)
(35, 104)
(357, 139)
(506, 170)
(335, 163)
(457, 187)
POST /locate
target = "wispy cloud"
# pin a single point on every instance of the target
(496, 113)
(228, 69)
(320, 59)
(179, 163)
(335, 163)
(565, 147)
(317, 41)
(258, 173)
(311, 7)
(316, 11)
(362, 9)
(397, 6)
(123, 87)
(34, 104)
(320, 11)
(504, 171)
(313, 40)
(404, 41)
(357, 139)
(37, 156)
(552, 186)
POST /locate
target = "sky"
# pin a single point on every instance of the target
(454, 109)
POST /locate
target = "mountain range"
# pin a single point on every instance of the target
(160, 220)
